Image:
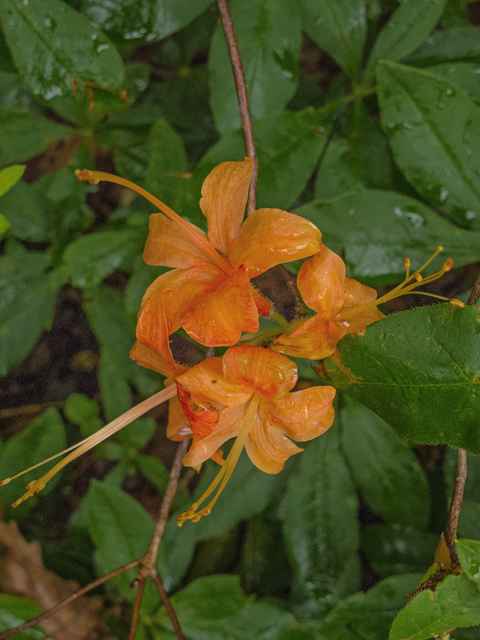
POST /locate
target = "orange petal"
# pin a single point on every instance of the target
(260, 369)
(229, 425)
(271, 236)
(321, 281)
(264, 306)
(225, 308)
(178, 427)
(357, 293)
(206, 382)
(223, 202)
(302, 415)
(202, 416)
(167, 245)
(150, 359)
(315, 338)
(268, 448)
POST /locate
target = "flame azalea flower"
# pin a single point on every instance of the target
(209, 291)
(250, 387)
(343, 305)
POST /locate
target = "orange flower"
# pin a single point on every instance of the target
(209, 291)
(250, 387)
(343, 305)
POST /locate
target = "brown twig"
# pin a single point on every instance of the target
(136, 610)
(169, 607)
(239, 77)
(64, 603)
(475, 293)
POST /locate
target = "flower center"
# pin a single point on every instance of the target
(94, 177)
(226, 471)
(403, 288)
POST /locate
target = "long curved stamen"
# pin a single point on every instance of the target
(226, 471)
(94, 177)
(81, 447)
(404, 288)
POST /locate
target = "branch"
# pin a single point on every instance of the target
(169, 607)
(239, 77)
(136, 610)
(475, 293)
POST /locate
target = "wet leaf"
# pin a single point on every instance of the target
(27, 212)
(457, 44)
(465, 74)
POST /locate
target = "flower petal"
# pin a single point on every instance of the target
(178, 427)
(223, 202)
(302, 415)
(202, 417)
(321, 281)
(268, 448)
(315, 338)
(259, 369)
(150, 359)
(271, 236)
(167, 245)
(217, 317)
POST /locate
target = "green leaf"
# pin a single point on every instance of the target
(469, 554)
(167, 164)
(385, 469)
(464, 74)
(142, 20)
(407, 28)
(371, 614)
(377, 230)
(268, 34)
(43, 438)
(85, 412)
(26, 303)
(26, 210)
(288, 147)
(338, 27)
(120, 529)
(10, 176)
(452, 45)
(434, 131)
(54, 48)
(394, 548)
(320, 522)
(419, 371)
(153, 469)
(14, 611)
(95, 256)
(454, 603)
(25, 134)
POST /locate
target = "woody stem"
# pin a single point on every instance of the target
(239, 77)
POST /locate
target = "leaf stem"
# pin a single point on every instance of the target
(239, 77)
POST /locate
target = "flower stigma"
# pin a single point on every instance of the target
(226, 471)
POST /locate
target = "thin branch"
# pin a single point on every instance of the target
(239, 77)
(475, 293)
(169, 607)
(136, 610)
(455, 506)
(64, 603)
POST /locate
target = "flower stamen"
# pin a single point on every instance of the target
(226, 471)
(94, 177)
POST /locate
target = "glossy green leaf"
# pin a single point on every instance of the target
(142, 20)
(469, 520)
(320, 522)
(167, 164)
(15, 93)
(288, 147)
(25, 134)
(371, 614)
(26, 210)
(469, 554)
(407, 28)
(10, 176)
(385, 469)
(454, 603)
(50, 60)
(339, 27)
(120, 529)
(44, 437)
(457, 44)
(393, 548)
(419, 371)
(15, 610)
(465, 74)
(434, 131)
(377, 230)
(26, 303)
(95, 256)
(268, 34)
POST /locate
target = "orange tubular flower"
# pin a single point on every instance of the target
(326, 290)
(250, 387)
(209, 294)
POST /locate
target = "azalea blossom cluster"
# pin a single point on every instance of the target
(248, 393)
